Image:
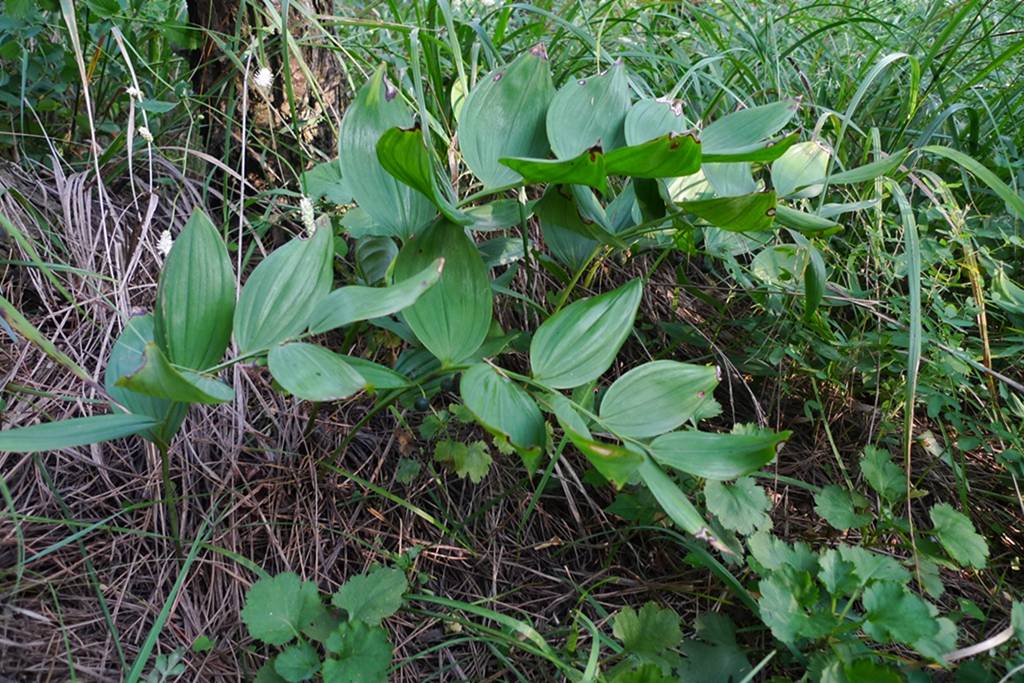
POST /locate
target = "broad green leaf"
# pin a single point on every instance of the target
(267, 674)
(795, 172)
(297, 663)
(815, 277)
(741, 507)
(372, 597)
(656, 397)
(195, 297)
(363, 655)
(313, 373)
(498, 215)
(589, 112)
(467, 460)
(586, 168)
(839, 507)
(747, 213)
(404, 154)
(347, 305)
(577, 344)
(394, 206)
(671, 498)
(377, 376)
(807, 223)
(780, 609)
(717, 456)
(158, 378)
(895, 614)
(648, 119)
(324, 181)
(888, 480)
(277, 299)
(747, 129)
(568, 237)
(78, 431)
(650, 631)
(783, 265)
(565, 411)
(278, 608)
(730, 180)
(688, 188)
(127, 356)
(936, 647)
(957, 535)
(504, 116)
(645, 673)
(452, 318)
(503, 406)
(720, 659)
(668, 156)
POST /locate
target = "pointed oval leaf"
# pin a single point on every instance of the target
(730, 180)
(668, 156)
(747, 213)
(504, 116)
(347, 305)
(195, 297)
(567, 236)
(589, 112)
(747, 129)
(503, 406)
(158, 378)
(78, 431)
(586, 168)
(377, 376)
(450, 319)
(807, 223)
(656, 397)
(671, 498)
(795, 172)
(313, 373)
(577, 344)
(403, 153)
(716, 456)
(282, 291)
(126, 356)
(394, 206)
(649, 119)
(769, 150)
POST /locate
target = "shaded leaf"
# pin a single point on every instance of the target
(313, 373)
(372, 597)
(473, 460)
(195, 296)
(650, 631)
(503, 406)
(403, 153)
(504, 116)
(451, 319)
(837, 506)
(395, 207)
(363, 654)
(347, 305)
(741, 506)
(157, 377)
(958, 537)
(282, 291)
(656, 397)
(299, 662)
(577, 344)
(717, 456)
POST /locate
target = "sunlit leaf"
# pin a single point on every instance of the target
(656, 397)
(313, 373)
(717, 456)
(589, 112)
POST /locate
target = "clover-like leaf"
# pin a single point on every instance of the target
(838, 507)
(298, 662)
(372, 597)
(741, 506)
(958, 537)
(363, 654)
(473, 460)
(650, 631)
(276, 608)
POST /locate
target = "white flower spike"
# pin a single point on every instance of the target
(165, 243)
(134, 92)
(264, 78)
(145, 134)
(308, 218)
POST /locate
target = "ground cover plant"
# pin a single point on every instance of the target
(552, 341)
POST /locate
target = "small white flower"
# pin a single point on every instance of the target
(165, 243)
(134, 92)
(264, 78)
(308, 219)
(145, 134)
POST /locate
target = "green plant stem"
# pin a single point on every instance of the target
(170, 497)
